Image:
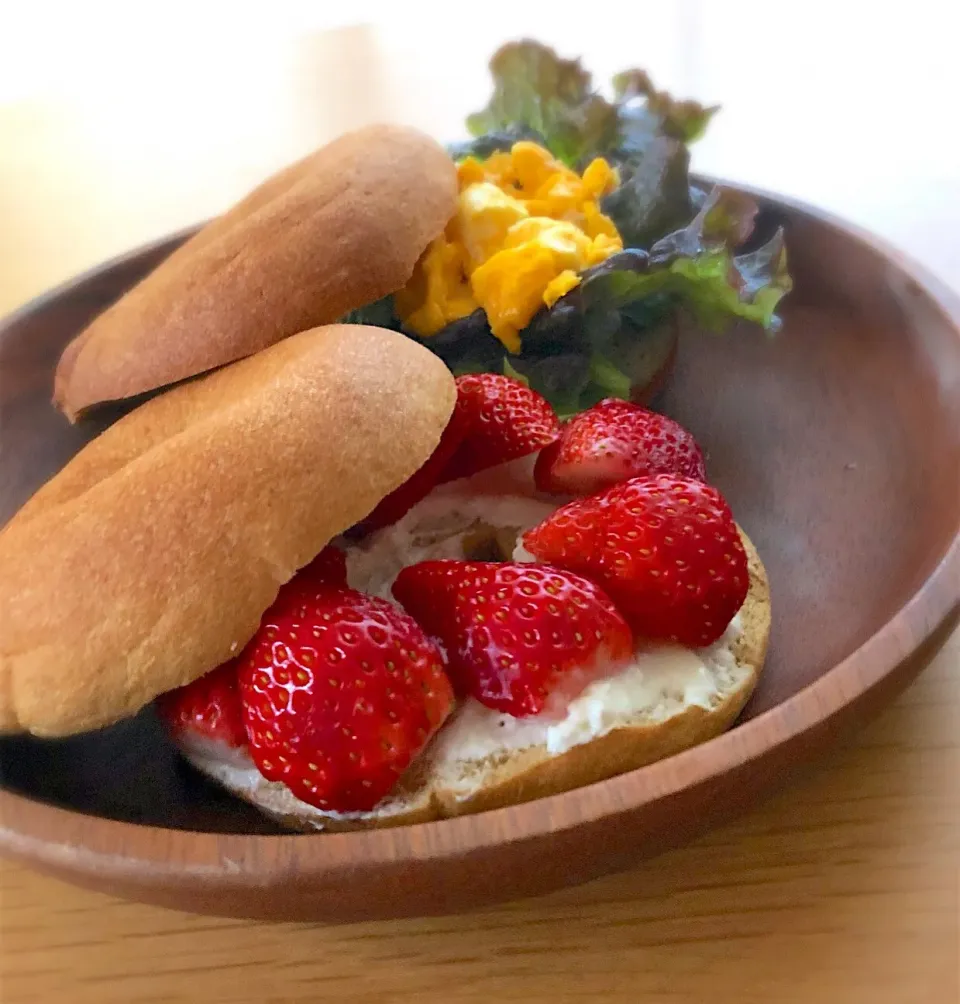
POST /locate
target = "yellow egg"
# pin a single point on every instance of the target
(599, 178)
(558, 287)
(411, 301)
(509, 286)
(470, 171)
(595, 223)
(531, 165)
(438, 291)
(526, 227)
(568, 244)
(498, 168)
(559, 194)
(484, 216)
(601, 248)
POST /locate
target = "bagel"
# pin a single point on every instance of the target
(341, 228)
(669, 700)
(149, 559)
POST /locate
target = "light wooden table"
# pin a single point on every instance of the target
(846, 888)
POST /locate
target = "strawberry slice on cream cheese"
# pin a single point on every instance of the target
(476, 611)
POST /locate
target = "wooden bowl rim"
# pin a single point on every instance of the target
(112, 848)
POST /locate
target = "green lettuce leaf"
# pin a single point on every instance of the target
(536, 93)
(653, 197)
(380, 314)
(608, 378)
(653, 157)
(596, 341)
(536, 90)
(695, 268)
(725, 219)
(717, 287)
(682, 120)
(513, 373)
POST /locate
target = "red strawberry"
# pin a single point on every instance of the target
(400, 501)
(208, 708)
(339, 695)
(503, 419)
(614, 441)
(665, 548)
(328, 568)
(515, 634)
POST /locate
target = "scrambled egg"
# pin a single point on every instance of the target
(526, 226)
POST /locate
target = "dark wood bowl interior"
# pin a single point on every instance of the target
(837, 443)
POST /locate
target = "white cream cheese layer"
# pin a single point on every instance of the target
(658, 682)
(440, 525)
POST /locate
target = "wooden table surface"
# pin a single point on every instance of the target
(846, 888)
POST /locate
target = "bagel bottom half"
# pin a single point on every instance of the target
(471, 767)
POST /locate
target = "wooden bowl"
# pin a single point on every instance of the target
(837, 443)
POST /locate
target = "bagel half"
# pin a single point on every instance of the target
(469, 767)
(339, 229)
(149, 559)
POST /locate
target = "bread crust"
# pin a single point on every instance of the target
(413, 802)
(533, 773)
(149, 559)
(342, 227)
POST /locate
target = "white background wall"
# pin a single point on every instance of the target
(119, 122)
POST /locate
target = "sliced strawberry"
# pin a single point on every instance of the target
(339, 695)
(503, 419)
(666, 549)
(210, 708)
(207, 709)
(614, 441)
(400, 501)
(517, 636)
(328, 568)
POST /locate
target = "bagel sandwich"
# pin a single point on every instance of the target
(391, 538)
(340, 575)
